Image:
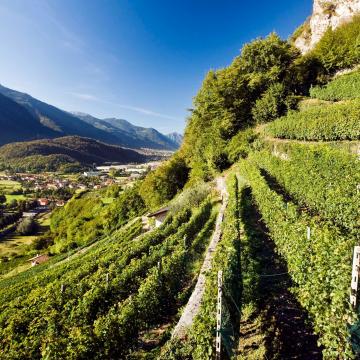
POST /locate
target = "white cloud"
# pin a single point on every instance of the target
(84, 96)
(141, 110)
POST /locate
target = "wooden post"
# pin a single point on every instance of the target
(62, 288)
(185, 242)
(218, 317)
(107, 279)
(308, 232)
(355, 277)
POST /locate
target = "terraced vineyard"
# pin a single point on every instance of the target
(102, 299)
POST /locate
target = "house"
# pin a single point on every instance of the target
(39, 259)
(43, 202)
(60, 203)
(159, 216)
(92, 173)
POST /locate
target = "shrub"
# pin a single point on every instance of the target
(271, 105)
(163, 184)
(241, 144)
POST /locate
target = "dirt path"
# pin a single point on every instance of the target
(193, 306)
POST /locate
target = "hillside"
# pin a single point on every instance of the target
(258, 228)
(41, 120)
(18, 124)
(51, 153)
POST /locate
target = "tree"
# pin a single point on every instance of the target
(163, 184)
(27, 226)
(2, 198)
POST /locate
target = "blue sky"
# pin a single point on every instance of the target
(140, 60)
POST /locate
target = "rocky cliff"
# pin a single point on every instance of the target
(326, 13)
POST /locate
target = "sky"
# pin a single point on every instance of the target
(140, 60)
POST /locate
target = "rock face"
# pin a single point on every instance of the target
(326, 13)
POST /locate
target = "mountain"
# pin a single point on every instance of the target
(129, 134)
(176, 138)
(50, 154)
(26, 118)
(326, 14)
(17, 123)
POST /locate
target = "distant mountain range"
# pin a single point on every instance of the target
(24, 118)
(176, 138)
(53, 154)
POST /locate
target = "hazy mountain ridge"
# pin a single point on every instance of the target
(128, 134)
(176, 137)
(26, 118)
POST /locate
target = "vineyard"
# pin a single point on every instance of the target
(101, 300)
(241, 246)
(329, 122)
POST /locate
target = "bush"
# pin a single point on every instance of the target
(333, 122)
(241, 144)
(271, 105)
(163, 184)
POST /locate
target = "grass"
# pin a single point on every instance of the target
(107, 200)
(10, 198)
(16, 247)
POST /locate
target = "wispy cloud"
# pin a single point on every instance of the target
(84, 96)
(141, 110)
(146, 112)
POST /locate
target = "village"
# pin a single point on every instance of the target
(27, 199)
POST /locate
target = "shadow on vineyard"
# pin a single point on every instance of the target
(277, 323)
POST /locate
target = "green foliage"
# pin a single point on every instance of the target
(271, 105)
(323, 179)
(344, 87)
(164, 183)
(92, 317)
(191, 196)
(333, 122)
(227, 259)
(241, 144)
(225, 103)
(340, 48)
(27, 226)
(320, 266)
(83, 219)
(2, 198)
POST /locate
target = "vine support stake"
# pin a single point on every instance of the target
(355, 277)
(218, 317)
(308, 232)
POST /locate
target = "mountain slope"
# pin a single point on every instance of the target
(17, 123)
(69, 149)
(129, 134)
(176, 138)
(41, 120)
